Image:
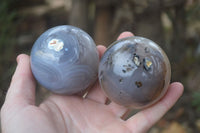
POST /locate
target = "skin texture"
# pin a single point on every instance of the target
(74, 114)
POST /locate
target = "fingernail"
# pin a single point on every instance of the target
(125, 34)
(128, 33)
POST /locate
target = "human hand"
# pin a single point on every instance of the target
(74, 114)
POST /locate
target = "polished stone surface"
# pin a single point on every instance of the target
(134, 72)
(64, 60)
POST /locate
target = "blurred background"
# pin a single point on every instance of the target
(173, 24)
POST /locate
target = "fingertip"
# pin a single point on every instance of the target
(18, 58)
(23, 68)
(125, 34)
(178, 86)
(21, 57)
(101, 49)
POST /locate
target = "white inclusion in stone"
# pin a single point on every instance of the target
(137, 40)
(56, 45)
(50, 56)
(152, 44)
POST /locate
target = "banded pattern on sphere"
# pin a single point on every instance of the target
(64, 60)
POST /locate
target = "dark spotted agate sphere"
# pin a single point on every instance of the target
(64, 60)
(134, 72)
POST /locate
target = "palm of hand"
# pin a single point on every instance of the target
(74, 114)
(68, 114)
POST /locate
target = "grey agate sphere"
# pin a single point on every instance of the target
(64, 60)
(134, 72)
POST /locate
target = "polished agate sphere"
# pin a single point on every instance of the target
(134, 72)
(64, 60)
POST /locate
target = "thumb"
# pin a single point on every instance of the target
(22, 87)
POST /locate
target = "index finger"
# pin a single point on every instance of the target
(101, 49)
